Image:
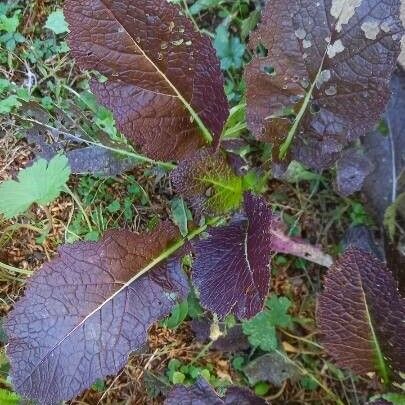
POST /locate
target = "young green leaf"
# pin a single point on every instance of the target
(324, 81)
(164, 85)
(56, 22)
(261, 330)
(361, 315)
(41, 183)
(181, 214)
(229, 48)
(178, 315)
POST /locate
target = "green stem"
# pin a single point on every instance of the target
(15, 269)
(79, 204)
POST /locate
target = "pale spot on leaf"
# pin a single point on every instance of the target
(371, 29)
(335, 48)
(343, 11)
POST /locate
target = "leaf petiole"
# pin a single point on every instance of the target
(137, 156)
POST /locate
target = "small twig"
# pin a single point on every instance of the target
(79, 204)
(15, 269)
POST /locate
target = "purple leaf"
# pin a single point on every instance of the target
(232, 266)
(325, 79)
(361, 315)
(164, 80)
(201, 393)
(352, 169)
(272, 367)
(87, 309)
(234, 340)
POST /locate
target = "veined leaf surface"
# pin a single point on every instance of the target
(325, 79)
(164, 82)
(362, 316)
(208, 182)
(86, 310)
(232, 266)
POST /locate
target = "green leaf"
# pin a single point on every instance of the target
(262, 388)
(278, 308)
(208, 183)
(296, 173)
(391, 213)
(261, 330)
(114, 207)
(4, 85)
(180, 214)
(10, 24)
(8, 398)
(229, 48)
(202, 5)
(261, 333)
(56, 22)
(178, 378)
(41, 183)
(249, 24)
(178, 315)
(8, 104)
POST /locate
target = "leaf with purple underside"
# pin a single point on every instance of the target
(351, 171)
(201, 393)
(362, 316)
(272, 367)
(325, 79)
(164, 85)
(87, 309)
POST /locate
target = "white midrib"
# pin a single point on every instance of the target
(205, 132)
(245, 246)
(98, 308)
